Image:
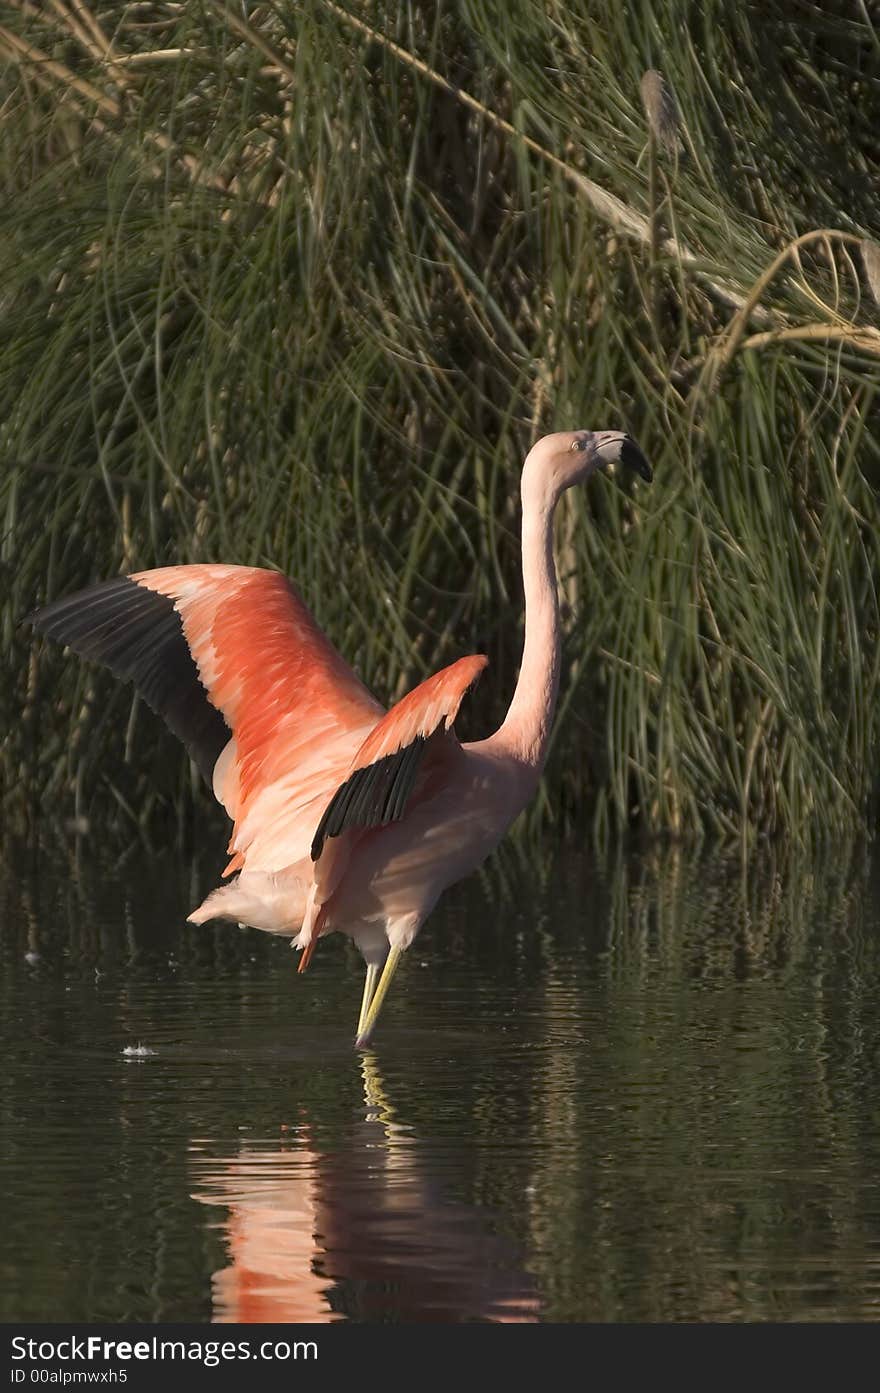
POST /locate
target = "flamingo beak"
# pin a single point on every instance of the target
(374, 996)
(631, 457)
(613, 447)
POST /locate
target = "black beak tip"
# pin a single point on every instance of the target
(632, 457)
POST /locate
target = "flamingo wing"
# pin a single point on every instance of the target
(383, 772)
(222, 653)
(137, 635)
(297, 749)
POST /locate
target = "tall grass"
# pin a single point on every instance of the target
(300, 289)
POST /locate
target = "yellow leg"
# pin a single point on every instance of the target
(369, 988)
(367, 1024)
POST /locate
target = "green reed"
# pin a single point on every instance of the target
(302, 289)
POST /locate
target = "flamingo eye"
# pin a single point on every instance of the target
(578, 444)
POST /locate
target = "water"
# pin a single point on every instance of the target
(645, 1089)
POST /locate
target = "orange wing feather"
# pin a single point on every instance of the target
(284, 691)
(422, 710)
(383, 772)
(261, 656)
(382, 778)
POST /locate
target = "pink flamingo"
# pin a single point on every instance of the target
(345, 817)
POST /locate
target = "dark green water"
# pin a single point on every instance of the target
(641, 1090)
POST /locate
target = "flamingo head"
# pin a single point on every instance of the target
(558, 461)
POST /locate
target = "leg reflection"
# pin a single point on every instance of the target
(359, 1231)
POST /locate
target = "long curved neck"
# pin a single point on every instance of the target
(525, 732)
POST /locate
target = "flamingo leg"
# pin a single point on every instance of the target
(317, 930)
(369, 988)
(368, 1023)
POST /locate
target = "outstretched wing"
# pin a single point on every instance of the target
(138, 635)
(281, 685)
(223, 652)
(384, 770)
(297, 749)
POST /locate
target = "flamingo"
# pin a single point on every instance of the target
(345, 816)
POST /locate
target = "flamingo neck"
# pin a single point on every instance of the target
(526, 729)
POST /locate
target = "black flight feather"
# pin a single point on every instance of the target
(372, 797)
(137, 634)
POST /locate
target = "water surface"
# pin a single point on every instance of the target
(639, 1089)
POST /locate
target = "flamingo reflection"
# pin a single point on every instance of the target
(363, 1232)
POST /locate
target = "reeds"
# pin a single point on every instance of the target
(300, 289)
